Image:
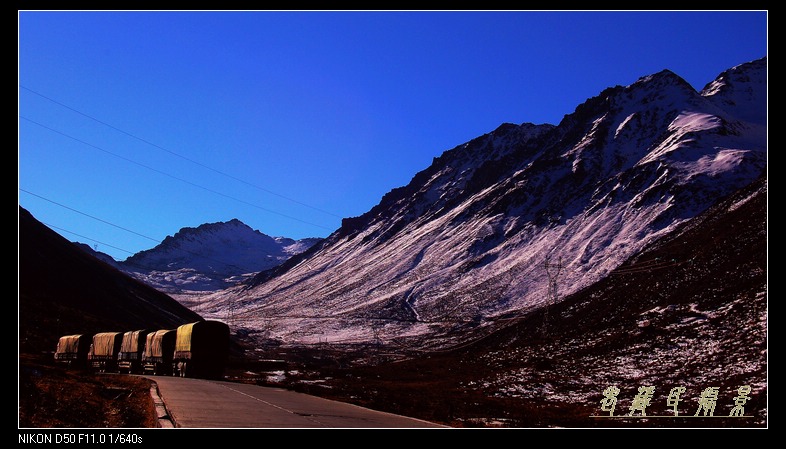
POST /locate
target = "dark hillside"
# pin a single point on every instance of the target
(64, 290)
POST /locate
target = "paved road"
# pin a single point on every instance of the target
(199, 403)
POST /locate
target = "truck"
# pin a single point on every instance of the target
(158, 353)
(72, 350)
(201, 349)
(103, 351)
(129, 358)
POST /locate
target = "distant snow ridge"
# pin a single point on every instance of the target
(466, 241)
(211, 257)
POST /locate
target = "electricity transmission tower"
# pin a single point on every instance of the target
(552, 271)
(230, 312)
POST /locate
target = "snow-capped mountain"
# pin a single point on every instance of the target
(520, 217)
(210, 257)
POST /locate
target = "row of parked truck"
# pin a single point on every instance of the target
(198, 349)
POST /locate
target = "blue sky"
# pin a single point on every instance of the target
(133, 125)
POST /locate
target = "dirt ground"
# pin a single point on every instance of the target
(53, 397)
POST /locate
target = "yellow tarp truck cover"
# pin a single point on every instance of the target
(159, 350)
(133, 344)
(157, 344)
(68, 344)
(73, 348)
(183, 342)
(105, 344)
(131, 341)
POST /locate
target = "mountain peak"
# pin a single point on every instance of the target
(212, 227)
(662, 80)
(211, 256)
(738, 74)
(735, 89)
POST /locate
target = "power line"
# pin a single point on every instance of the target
(177, 154)
(87, 238)
(87, 215)
(245, 269)
(651, 265)
(172, 176)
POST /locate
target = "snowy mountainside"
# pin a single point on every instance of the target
(210, 257)
(690, 310)
(468, 239)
